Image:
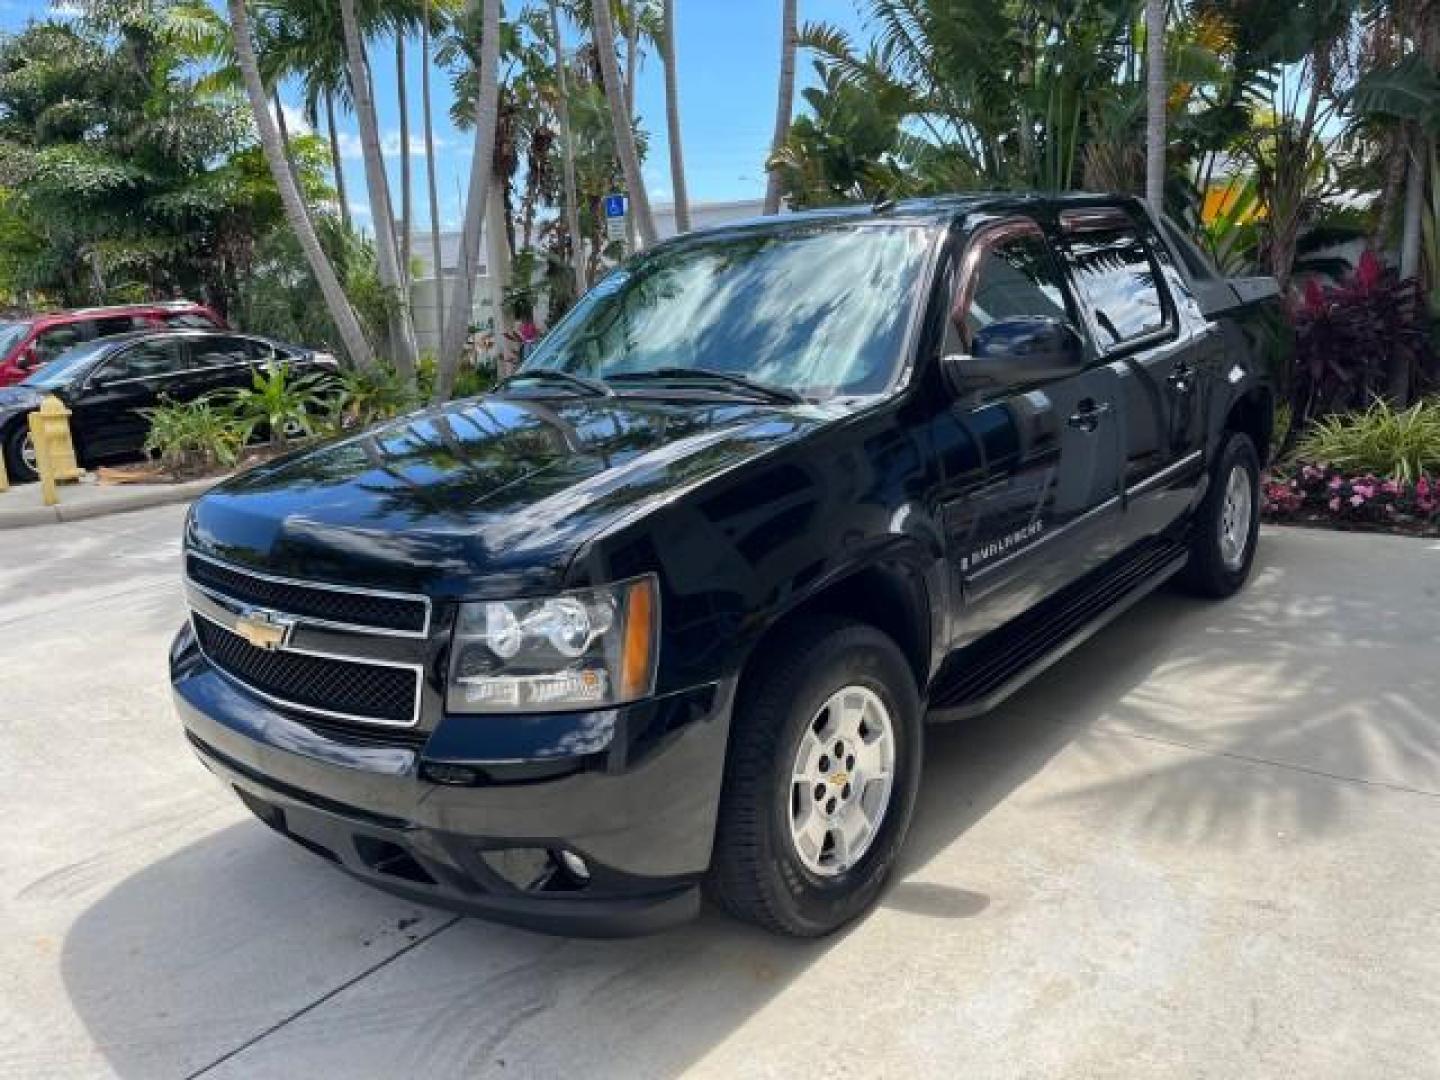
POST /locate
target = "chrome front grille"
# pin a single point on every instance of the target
(340, 656)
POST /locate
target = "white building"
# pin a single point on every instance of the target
(425, 290)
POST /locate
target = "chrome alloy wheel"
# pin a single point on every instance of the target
(841, 781)
(28, 454)
(1236, 512)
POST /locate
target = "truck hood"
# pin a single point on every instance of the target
(488, 496)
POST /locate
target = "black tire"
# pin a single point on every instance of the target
(17, 435)
(757, 873)
(1209, 572)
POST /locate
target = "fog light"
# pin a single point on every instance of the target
(575, 864)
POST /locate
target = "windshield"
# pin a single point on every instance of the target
(66, 367)
(820, 310)
(11, 334)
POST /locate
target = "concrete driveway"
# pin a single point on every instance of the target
(1205, 845)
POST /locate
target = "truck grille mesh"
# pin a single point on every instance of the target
(353, 688)
(360, 609)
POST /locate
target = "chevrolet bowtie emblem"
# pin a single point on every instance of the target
(266, 630)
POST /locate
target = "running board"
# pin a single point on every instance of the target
(984, 674)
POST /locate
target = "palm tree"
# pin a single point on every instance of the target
(430, 166)
(567, 152)
(625, 149)
(336, 166)
(672, 121)
(341, 313)
(387, 257)
(1156, 95)
(407, 207)
(785, 100)
(482, 163)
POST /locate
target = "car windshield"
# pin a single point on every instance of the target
(821, 310)
(66, 367)
(11, 334)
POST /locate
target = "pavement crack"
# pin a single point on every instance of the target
(323, 998)
(1387, 785)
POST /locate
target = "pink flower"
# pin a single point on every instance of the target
(1335, 504)
(1357, 499)
(1335, 483)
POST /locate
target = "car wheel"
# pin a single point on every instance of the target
(1227, 526)
(20, 459)
(820, 782)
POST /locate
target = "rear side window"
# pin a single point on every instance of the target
(219, 351)
(1115, 276)
(1009, 274)
(193, 320)
(119, 324)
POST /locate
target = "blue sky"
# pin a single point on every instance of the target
(729, 61)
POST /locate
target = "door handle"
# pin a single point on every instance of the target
(1180, 378)
(1087, 416)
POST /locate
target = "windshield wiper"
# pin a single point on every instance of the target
(581, 382)
(782, 394)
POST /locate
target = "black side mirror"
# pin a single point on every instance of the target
(1017, 352)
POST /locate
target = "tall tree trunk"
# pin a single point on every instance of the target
(784, 101)
(672, 122)
(341, 313)
(1414, 205)
(387, 253)
(407, 205)
(497, 272)
(435, 257)
(632, 51)
(623, 122)
(482, 167)
(1156, 94)
(336, 166)
(567, 156)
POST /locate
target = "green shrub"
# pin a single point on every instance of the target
(367, 397)
(279, 404)
(1402, 444)
(190, 438)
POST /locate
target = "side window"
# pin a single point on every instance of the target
(219, 351)
(148, 359)
(51, 343)
(119, 324)
(262, 352)
(190, 320)
(1115, 276)
(1007, 274)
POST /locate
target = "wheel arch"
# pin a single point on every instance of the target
(1252, 413)
(892, 596)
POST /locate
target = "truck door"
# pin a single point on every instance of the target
(1049, 482)
(1160, 349)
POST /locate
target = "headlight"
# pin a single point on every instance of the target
(582, 649)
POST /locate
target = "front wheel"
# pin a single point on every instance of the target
(820, 781)
(1227, 525)
(19, 449)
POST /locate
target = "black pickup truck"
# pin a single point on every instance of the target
(667, 610)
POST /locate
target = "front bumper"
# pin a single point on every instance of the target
(636, 801)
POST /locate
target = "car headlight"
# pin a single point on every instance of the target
(582, 649)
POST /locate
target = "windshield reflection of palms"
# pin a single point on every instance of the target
(823, 309)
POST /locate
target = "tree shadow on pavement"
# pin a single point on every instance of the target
(200, 953)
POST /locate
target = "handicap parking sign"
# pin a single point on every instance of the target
(614, 206)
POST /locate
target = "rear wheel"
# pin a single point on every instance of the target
(820, 782)
(20, 459)
(1227, 526)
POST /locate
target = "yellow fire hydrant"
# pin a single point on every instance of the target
(54, 452)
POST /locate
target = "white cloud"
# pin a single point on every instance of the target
(389, 144)
(359, 209)
(295, 121)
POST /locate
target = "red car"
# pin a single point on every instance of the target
(28, 344)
